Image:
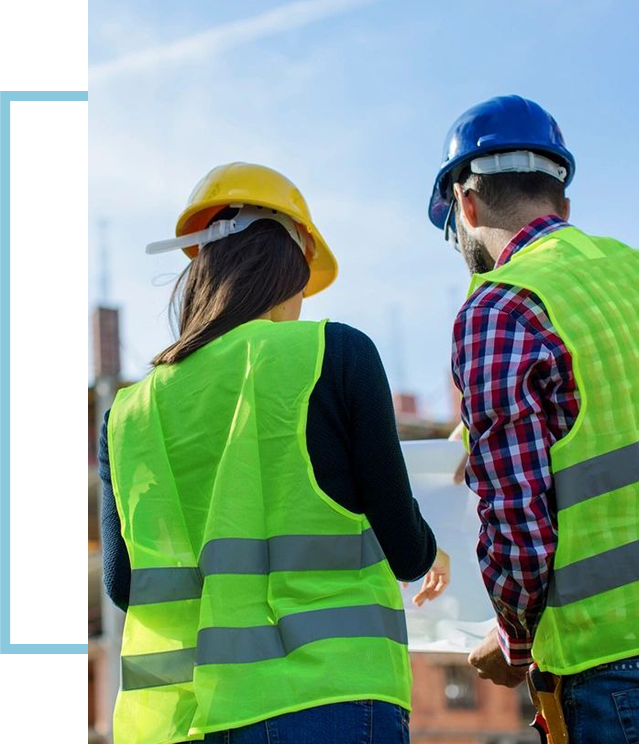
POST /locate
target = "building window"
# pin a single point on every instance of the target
(460, 688)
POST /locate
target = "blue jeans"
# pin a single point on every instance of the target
(356, 722)
(601, 705)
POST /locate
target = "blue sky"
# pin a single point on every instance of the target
(351, 99)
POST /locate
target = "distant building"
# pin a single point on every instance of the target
(412, 423)
(452, 705)
(99, 713)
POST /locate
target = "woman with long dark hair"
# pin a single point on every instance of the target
(257, 511)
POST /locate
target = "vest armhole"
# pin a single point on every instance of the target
(301, 431)
(493, 277)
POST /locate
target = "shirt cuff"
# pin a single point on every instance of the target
(517, 651)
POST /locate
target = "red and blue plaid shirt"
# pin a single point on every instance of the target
(519, 397)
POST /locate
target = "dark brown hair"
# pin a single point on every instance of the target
(232, 281)
(503, 192)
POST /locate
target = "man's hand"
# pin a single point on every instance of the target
(460, 471)
(459, 476)
(490, 663)
(435, 581)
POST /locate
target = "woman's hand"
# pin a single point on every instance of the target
(435, 581)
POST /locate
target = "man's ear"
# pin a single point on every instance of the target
(468, 204)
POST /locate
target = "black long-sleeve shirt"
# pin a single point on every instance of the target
(354, 449)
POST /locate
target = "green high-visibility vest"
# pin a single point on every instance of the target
(253, 593)
(590, 288)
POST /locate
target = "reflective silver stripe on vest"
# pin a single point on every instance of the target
(596, 476)
(164, 584)
(237, 555)
(592, 576)
(153, 670)
(245, 645)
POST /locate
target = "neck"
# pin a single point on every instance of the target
(495, 237)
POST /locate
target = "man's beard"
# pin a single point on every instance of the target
(474, 251)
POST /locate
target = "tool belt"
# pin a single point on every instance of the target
(545, 692)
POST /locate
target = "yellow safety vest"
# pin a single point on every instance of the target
(590, 288)
(253, 593)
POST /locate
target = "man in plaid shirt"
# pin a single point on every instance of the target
(504, 335)
(501, 186)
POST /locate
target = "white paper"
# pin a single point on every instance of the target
(461, 617)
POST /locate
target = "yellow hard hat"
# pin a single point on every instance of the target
(245, 183)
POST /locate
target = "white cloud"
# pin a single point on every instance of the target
(198, 46)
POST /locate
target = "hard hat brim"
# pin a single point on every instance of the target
(323, 267)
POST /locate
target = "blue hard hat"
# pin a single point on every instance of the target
(498, 125)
